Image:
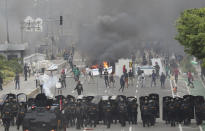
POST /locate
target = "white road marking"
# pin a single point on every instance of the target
(180, 127)
(73, 91)
(200, 128)
(130, 129)
(188, 90)
(137, 85)
(136, 91)
(105, 91)
(172, 88)
(202, 82)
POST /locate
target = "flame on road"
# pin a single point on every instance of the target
(105, 64)
(94, 66)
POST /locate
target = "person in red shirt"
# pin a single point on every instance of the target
(124, 69)
(190, 78)
(176, 74)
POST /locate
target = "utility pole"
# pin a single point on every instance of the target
(22, 28)
(52, 42)
(7, 22)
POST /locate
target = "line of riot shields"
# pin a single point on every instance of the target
(42, 113)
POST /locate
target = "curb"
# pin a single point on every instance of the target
(33, 93)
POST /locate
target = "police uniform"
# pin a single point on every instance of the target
(6, 116)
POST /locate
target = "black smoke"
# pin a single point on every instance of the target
(123, 27)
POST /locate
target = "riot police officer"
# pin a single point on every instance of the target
(122, 112)
(146, 114)
(186, 112)
(132, 111)
(107, 111)
(78, 114)
(172, 112)
(153, 110)
(92, 114)
(6, 116)
(20, 115)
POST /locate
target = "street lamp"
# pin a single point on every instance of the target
(7, 22)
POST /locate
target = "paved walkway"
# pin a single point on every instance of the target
(26, 87)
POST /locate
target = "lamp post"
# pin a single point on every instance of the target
(7, 22)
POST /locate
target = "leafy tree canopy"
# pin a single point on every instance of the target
(191, 32)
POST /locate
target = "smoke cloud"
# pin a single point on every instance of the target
(49, 84)
(102, 29)
(122, 27)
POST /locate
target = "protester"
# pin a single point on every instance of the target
(142, 78)
(190, 78)
(112, 80)
(162, 79)
(126, 78)
(59, 86)
(131, 75)
(100, 70)
(153, 77)
(106, 78)
(167, 69)
(124, 69)
(157, 69)
(29, 71)
(79, 88)
(122, 83)
(25, 72)
(37, 79)
(63, 79)
(176, 74)
(17, 81)
(1, 82)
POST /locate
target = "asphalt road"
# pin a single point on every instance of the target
(97, 87)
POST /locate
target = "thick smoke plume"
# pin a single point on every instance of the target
(122, 27)
(102, 29)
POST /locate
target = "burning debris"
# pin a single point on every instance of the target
(105, 65)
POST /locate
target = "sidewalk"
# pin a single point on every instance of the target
(28, 87)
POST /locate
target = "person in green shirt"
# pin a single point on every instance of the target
(167, 69)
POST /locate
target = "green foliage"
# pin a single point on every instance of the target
(191, 31)
(186, 65)
(8, 68)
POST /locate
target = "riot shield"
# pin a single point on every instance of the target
(122, 97)
(165, 101)
(198, 100)
(142, 99)
(88, 98)
(41, 100)
(31, 101)
(131, 98)
(70, 98)
(21, 98)
(155, 97)
(11, 96)
(190, 100)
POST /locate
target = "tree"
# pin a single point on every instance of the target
(191, 32)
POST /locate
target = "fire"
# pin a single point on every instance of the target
(94, 66)
(105, 64)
